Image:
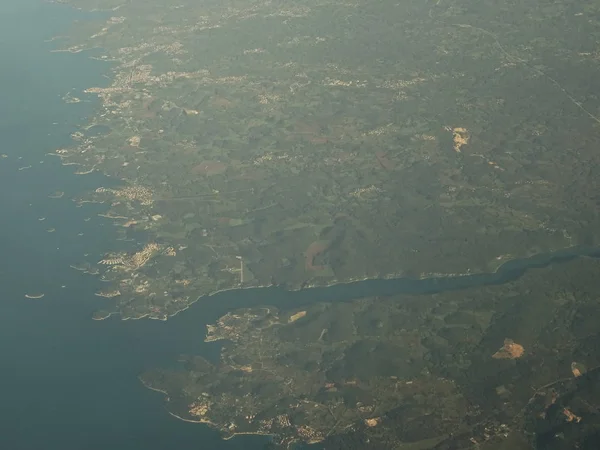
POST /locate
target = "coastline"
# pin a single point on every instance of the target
(81, 376)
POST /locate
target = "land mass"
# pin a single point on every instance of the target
(259, 143)
(485, 365)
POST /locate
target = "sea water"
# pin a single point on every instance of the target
(68, 382)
